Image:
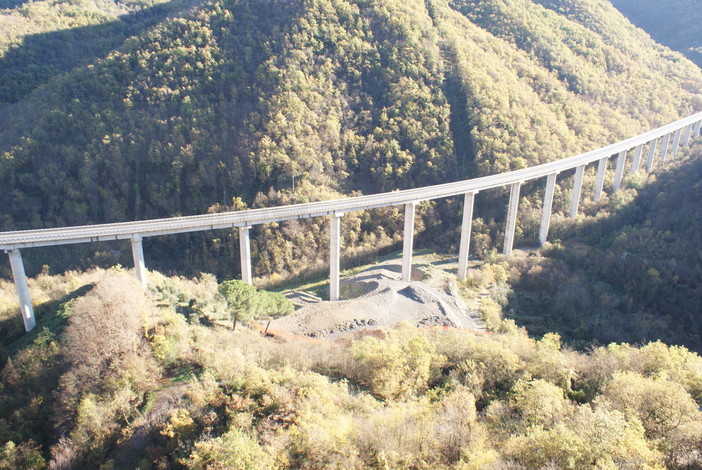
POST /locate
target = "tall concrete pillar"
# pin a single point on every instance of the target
(664, 148)
(599, 182)
(512, 209)
(408, 242)
(334, 255)
(636, 164)
(547, 206)
(245, 254)
(577, 187)
(676, 142)
(697, 130)
(139, 264)
(25, 300)
(687, 135)
(651, 154)
(619, 172)
(466, 226)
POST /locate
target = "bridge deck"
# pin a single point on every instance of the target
(148, 228)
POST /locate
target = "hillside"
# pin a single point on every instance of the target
(183, 108)
(674, 23)
(163, 386)
(628, 271)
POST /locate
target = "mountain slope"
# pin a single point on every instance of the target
(632, 274)
(237, 98)
(675, 23)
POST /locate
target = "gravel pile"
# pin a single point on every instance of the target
(383, 301)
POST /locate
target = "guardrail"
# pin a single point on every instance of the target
(681, 132)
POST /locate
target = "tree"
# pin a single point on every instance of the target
(240, 299)
(246, 302)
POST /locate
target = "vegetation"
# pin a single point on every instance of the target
(246, 302)
(627, 269)
(162, 386)
(180, 108)
(675, 23)
(132, 109)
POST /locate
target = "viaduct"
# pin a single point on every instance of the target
(671, 137)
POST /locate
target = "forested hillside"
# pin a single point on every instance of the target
(163, 387)
(180, 108)
(630, 271)
(675, 23)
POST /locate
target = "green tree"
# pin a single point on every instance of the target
(246, 302)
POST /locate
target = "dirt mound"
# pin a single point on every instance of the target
(382, 300)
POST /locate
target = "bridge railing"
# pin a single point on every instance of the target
(671, 136)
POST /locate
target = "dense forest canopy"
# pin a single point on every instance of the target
(675, 23)
(124, 110)
(165, 388)
(628, 270)
(183, 107)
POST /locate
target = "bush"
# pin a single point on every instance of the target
(234, 450)
(398, 366)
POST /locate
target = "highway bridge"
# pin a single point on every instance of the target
(643, 148)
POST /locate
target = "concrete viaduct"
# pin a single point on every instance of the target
(671, 138)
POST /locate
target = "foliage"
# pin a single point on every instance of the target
(174, 109)
(681, 30)
(246, 302)
(395, 398)
(622, 273)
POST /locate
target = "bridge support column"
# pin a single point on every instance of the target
(698, 129)
(547, 206)
(687, 135)
(676, 142)
(664, 148)
(512, 210)
(139, 264)
(25, 299)
(245, 254)
(334, 255)
(577, 188)
(599, 182)
(619, 172)
(466, 226)
(651, 154)
(636, 164)
(408, 241)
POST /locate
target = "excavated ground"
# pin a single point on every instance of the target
(381, 299)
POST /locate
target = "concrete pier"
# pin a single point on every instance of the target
(245, 254)
(636, 163)
(577, 188)
(619, 172)
(599, 182)
(139, 264)
(651, 155)
(408, 242)
(697, 130)
(334, 255)
(466, 226)
(686, 135)
(512, 210)
(664, 148)
(676, 142)
(25, 300)
(547, 206)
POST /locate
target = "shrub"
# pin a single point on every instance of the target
(235, 450)
(25, 456)
(661, 405)
(398, 366)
